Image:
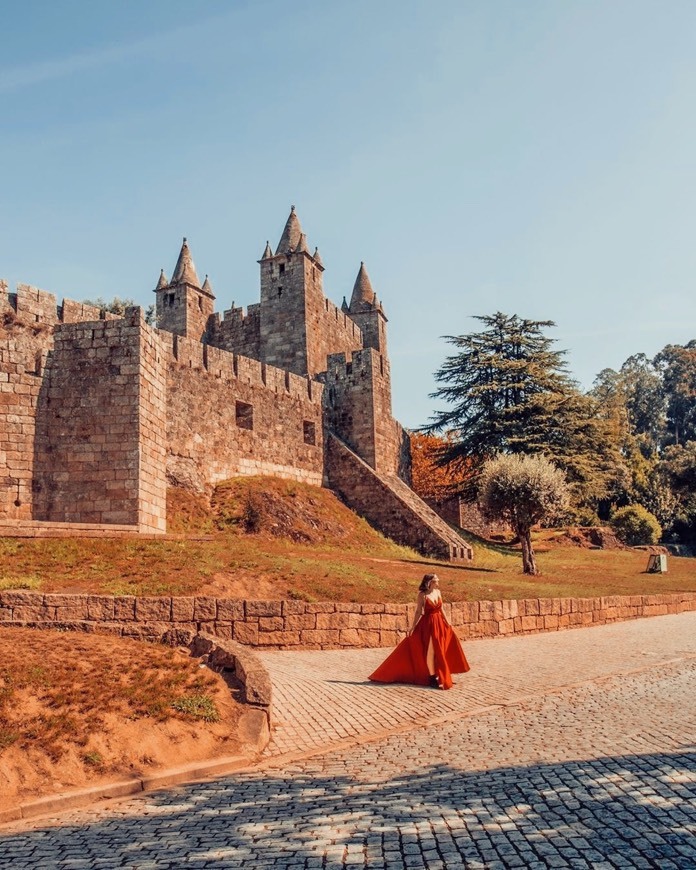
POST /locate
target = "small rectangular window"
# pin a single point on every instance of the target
(244, 415)
(309, 431)
(281, 268)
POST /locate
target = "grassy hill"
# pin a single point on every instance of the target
(266, 538)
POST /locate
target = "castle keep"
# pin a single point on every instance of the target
(100, 413)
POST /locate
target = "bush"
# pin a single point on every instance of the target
(636, 525)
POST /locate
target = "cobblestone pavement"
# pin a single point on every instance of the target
(593, 766)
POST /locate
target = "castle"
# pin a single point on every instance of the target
(99, 413)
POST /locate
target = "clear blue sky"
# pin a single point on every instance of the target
(537, 158)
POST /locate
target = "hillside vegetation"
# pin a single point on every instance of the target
(266, 538)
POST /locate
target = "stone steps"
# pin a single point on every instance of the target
(391, 505)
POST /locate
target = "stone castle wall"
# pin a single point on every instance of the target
(27, 321)
(237, 331)
(100, 422)
(228, 415)
(318, 625)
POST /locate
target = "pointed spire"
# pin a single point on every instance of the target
(185, 269)
(317, 257)
(162, 283)
(344, 305)
(268, 252)
(302, 244)
(291, 234)
(363, 294)
(207, 286)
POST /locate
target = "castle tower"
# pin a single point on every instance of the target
(292, 296)
(357, 401)
(367, 312)
(183, 305)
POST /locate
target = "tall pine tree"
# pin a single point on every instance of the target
(507, 391)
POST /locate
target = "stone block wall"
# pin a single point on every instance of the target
(318, 625)
(299, 326)
(358, 408)
(27, 321)
(99, 449)
(329, 330)
(208, 437)
(238, 332)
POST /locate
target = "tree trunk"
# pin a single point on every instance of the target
(528, 562)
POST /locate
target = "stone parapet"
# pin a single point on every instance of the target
(317, 625)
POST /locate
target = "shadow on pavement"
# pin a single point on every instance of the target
(617, 809)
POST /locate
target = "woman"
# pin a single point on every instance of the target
(430, 653)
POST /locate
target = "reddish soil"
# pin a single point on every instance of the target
(77, 710)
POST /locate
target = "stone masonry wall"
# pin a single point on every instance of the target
(98, 455)
(152, 426)
(209, 440)
(299, 325)
(358, 406)
(237, 332)
(318, 625)
(27, 320)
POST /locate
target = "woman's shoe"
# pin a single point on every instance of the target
(433, 681)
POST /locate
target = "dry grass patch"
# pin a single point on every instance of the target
(78, 706)
(272, 539)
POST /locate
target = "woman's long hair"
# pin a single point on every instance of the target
(425, 583)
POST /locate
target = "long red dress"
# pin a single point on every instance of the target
(407, 663)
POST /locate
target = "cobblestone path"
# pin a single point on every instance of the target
(594, 766)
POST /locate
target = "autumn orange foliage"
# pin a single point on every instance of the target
(430, 480)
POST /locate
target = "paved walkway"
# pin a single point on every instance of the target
(573, 749)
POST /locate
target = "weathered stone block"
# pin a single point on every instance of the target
(271, 623)
(300, 622)
(263, 608)
(205, 609)
(323, 637)
(230, 609)
(183, 609)
(124, 608)
(246, 633)
(100, 607)
(153, 609)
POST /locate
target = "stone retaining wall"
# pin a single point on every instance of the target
(318, 625)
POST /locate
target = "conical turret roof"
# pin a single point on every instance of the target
(317, 257)
(302, 244)
(185, 269)
(291, 234)
(363, 294)
(207, 287)
(268, 252)
(162, 283)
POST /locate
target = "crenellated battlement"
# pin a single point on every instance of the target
(226, 365)
(342, 366)
(33, 306)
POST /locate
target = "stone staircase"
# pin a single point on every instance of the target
(391, 505)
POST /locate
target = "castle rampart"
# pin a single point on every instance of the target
(99, 412)
(249, 418)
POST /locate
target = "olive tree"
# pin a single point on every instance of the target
(522, 491)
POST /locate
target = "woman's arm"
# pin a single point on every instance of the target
(418, 613)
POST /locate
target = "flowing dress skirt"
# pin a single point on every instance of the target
(408, 664)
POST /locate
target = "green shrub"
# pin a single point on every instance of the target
(634, 524)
